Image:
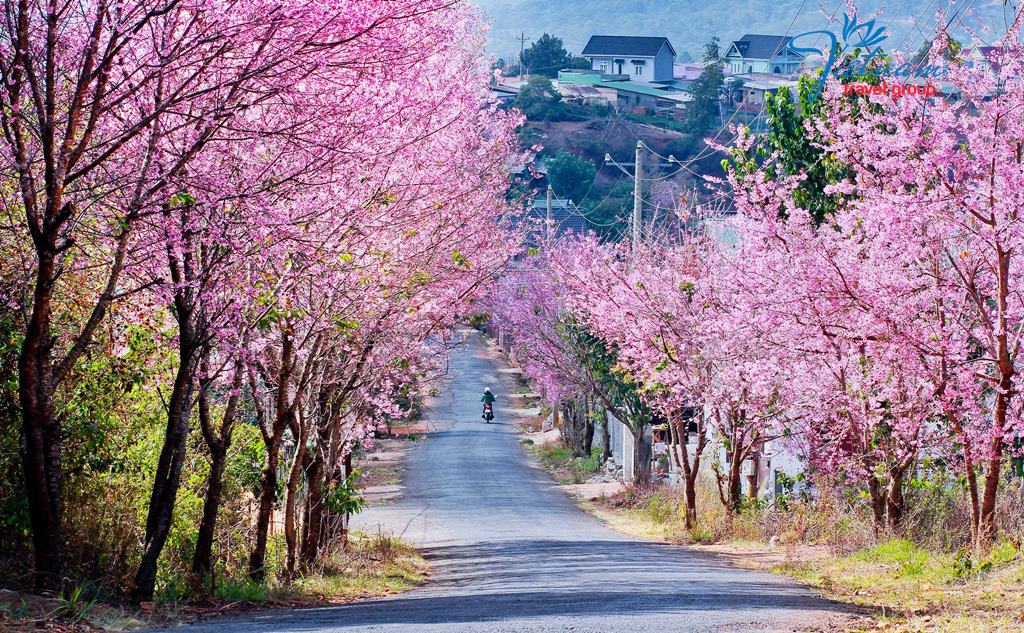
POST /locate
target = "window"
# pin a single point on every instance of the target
(604, 67)
(639, 69)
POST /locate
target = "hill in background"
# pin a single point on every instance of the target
(689, 24)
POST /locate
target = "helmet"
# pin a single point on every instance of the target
(487, 389)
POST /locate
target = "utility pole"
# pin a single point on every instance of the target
(637, 220)
(638, 195)
(547, 224)
(522, 49)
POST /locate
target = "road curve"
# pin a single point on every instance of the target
(509, 551)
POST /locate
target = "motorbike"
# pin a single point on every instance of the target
(488, 412)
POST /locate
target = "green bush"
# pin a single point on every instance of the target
(662, 508)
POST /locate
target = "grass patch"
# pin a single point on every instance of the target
(374, 565)
(916, 590)
(566, 469)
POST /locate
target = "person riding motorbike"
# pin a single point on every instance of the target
(488, 399)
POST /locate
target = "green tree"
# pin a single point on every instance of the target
(579, 63)
(797, 152)
(614, 388)
(608, 217)
(795, 149)
(539, 100)
(546, 56)
(703, 111)
(570, 175)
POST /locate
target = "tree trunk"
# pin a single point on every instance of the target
(641, 457)
(168, 472)
(735, 489)
(218, 444)
(321, 469)
(312, 528)
(895, 503)
(577, 427)
(202, 559)
(877, 498)
(588, 429)
(41, 433)
(347, 516)
(290, 531)
(690, 488)
(284, 411)
(268, 496)
(606, 439)
(690, 469)
(986, 533)
(1006, 367)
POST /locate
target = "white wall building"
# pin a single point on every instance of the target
(771, 54)
(643, 59)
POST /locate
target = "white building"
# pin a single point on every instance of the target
(643, 59)
(771, 54)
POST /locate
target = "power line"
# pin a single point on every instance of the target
(708, 147)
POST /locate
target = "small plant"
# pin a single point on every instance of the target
(15, 611)
(1003, 553)
(243, 590)
(702, 534)
(384, 548)
(661, 508)
(913, 565)
(963, 563)
(343, 498)
(73, 606)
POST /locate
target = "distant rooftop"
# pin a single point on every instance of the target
(566, 217)
(668, 90)
(687, 72)
(754, 46)
(626, 45)
(766, 81)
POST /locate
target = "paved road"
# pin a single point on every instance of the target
(510, 552)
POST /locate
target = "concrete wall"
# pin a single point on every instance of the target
(658, 68)
(647, 69)
(663, 65)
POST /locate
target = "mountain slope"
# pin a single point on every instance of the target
(689, 24)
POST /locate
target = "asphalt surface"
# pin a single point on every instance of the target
(509, 551)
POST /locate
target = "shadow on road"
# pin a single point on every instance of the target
(514, 579)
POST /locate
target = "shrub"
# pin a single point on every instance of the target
(661, 507)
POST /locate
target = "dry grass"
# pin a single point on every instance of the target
(907, 588)
(373, 566)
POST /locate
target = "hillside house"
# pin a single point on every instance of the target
(770, 54)
(752, 87)
(983, 58)
(685, 74)
(643, 59)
